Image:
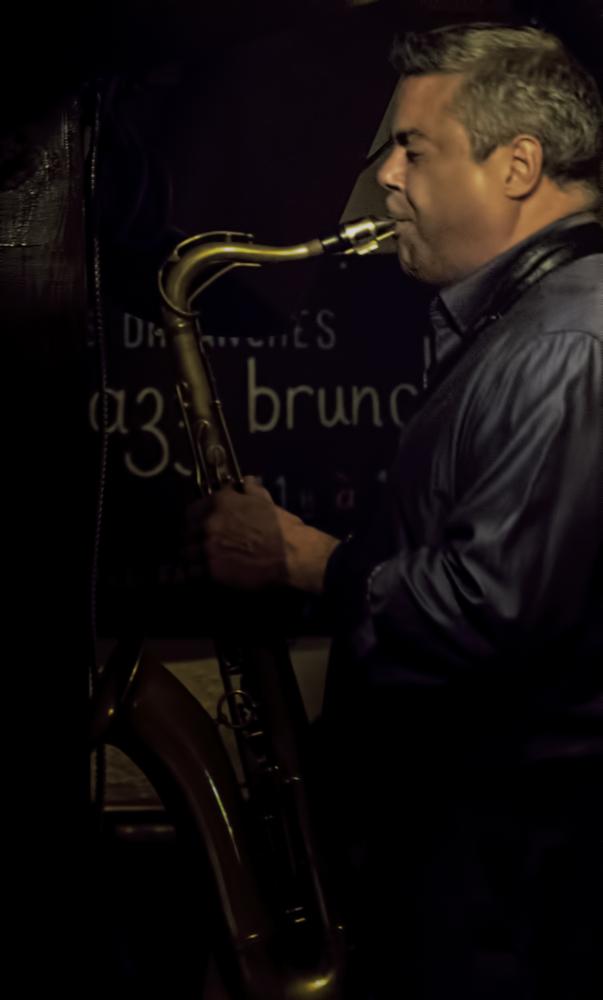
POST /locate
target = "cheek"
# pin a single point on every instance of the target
(439, 196)
(483, 186)
(467, 201)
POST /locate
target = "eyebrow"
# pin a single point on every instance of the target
(403, 136)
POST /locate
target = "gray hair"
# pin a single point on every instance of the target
(517, 80)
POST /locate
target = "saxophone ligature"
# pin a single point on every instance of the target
(284, 938)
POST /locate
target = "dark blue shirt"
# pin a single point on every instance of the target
(481, 577)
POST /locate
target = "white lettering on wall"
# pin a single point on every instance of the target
(335, 405)
(151, 427)
(149, 452)
(253, 392)
(338, 416)
(116, 411)
(306, 330)
(364, 392)
(326, 338)
(141, 333)
(393, 401)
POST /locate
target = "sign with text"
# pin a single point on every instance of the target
(314, 400)
(318, 364)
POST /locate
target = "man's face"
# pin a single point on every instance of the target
(452, 213)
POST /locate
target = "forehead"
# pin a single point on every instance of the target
(423, 103)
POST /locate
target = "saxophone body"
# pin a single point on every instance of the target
(284, 938)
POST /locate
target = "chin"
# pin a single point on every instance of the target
(421, 271)
(407, 260)
(416, 266)
(428, 270)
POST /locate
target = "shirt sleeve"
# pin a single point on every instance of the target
(515, 566)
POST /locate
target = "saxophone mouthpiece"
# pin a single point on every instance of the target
(360, 236)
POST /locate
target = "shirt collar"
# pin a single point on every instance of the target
(459, 306)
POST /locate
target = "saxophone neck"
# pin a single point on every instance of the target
(179, 276)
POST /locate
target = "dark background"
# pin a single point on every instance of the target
(250, 115)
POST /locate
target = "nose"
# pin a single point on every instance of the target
(391, 175)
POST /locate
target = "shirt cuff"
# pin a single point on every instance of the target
(350, 573)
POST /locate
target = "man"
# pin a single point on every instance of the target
(464, 705)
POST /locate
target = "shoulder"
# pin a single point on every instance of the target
(554, 328)
(536, 384)
(539, 371)
(569, 298)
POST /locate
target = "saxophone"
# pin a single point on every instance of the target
(282, 937)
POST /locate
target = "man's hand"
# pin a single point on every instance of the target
(246, 541)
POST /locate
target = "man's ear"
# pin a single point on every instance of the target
(524, 166)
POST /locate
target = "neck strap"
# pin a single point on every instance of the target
(531, 265)
(535, 262)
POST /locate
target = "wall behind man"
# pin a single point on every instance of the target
(259, 126)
